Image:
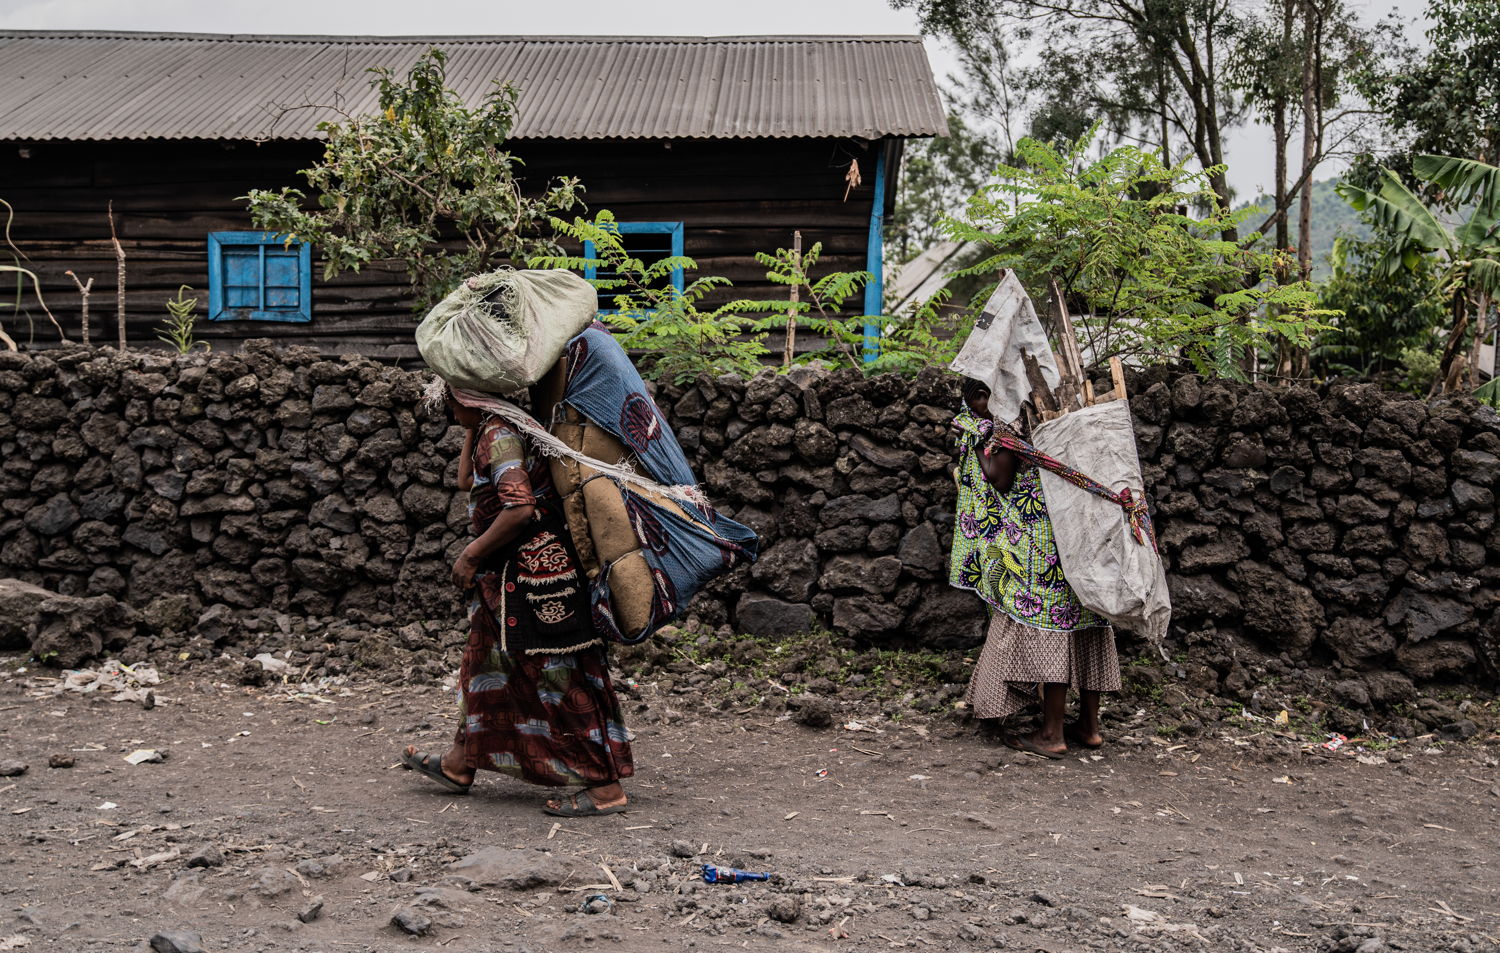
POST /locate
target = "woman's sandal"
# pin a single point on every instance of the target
(1023, 743)
(431, 765)
(570, 808)
(1074, 736)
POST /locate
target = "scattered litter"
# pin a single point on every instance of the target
(1450, 912)
(596, 903)
(1284, 779)
(1370, 759)
(822, 773)
(1335, 742)
(1157, 892)
(1282, 718)
(892, 879)
(152, 860)
(729, 875)
(145, 756)
(128, 683)
(791, 815)
(918, 777)
(107, 806)
(272, 664)
(1137, 914)
(613, 880)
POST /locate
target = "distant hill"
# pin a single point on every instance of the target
(1331, 217)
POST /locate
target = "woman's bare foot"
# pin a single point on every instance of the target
(452, 764)
(1084, 735)
(1038, 743)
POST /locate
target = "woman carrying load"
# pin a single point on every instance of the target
(1039, 634)
(535, 696)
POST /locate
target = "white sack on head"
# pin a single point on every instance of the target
(502, 331)
(992, 352)
(1117, 577)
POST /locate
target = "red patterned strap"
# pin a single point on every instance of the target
(1135, 507)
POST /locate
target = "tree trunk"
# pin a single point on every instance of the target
(1283, 138)
(1446, 378)
(1285, 358)
(1312, 36)
(1481, 328)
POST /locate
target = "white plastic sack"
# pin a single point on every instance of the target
(992, 352)
(501, 331)
(1114, 575)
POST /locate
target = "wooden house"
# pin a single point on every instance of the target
(719, 147)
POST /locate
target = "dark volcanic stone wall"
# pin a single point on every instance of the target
(1349, 528)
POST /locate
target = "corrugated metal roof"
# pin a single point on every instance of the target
(92, 86)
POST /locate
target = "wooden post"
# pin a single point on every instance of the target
(1117, 375)
(1069, 359)
(790, 350)
(119, 277)
(83, 292)
(1042, 397)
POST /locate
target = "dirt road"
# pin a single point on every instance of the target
(923, 836)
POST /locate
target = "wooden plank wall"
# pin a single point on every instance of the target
(735, 197)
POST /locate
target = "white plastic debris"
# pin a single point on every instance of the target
(145, 756)
(272, 664)
(128, 683)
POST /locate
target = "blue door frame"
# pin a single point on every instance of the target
(875, 258)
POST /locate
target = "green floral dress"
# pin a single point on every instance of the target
(1003, 548)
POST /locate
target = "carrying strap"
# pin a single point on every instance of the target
(1136, 511)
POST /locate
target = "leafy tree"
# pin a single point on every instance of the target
(937, 176)
(1443, 99)
(679, 340)
(926, 335)
(1385, 318)
(1468, 276)
(1153, 71)
(1150, 280)
(821, 302)
(425, 181)
(1295, 67)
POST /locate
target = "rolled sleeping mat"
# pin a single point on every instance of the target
(599, 520)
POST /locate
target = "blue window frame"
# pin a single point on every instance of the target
(257, 276)
(648, 241)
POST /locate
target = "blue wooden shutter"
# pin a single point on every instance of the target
(256, 276)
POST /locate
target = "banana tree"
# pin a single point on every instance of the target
(1469, 279)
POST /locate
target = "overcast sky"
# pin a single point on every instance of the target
(1249, 149)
